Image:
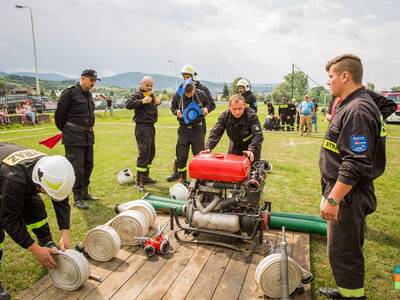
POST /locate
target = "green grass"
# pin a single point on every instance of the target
(293, 186)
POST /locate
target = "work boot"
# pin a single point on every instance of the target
(174, 176)
(147, 179)
(333, 293)
(139, 182)
(79, 202)
(4, 295)
(87, 196)
(182, 176)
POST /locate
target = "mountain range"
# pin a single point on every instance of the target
(132, 79)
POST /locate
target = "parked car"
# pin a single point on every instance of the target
(395, 96)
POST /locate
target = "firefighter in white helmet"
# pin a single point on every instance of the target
(245, 90)
(187, 72)
(24, 173)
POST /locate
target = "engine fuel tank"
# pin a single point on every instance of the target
(219, 167)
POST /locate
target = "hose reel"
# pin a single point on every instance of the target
(102, 243)
(73, 269)
(268, 275)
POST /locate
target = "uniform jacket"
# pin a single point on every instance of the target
(179, 103)
(250, 100)
(353, 150)
(144, 113)
(243, 131)
(17, 188)
(76, 107)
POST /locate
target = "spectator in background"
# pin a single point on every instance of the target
(2, 120)
(30, 112)
(270, 108)
(314, 114)
(306, 110)
(20, 111)
(4, 109)
(109, 106)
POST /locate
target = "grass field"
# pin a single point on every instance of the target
(294, 186)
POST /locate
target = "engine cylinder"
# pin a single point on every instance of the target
(214, 221)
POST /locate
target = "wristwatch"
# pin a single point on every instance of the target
(332, 201)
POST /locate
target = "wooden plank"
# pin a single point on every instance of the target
(250, 289)
(138, 281)
(118, 277)
(102, 269)
(230, 285)
(189, 274)
(168, 273)
(39, 287)
(206, 283)
(301, 255)
(289, 239)
(109, 286)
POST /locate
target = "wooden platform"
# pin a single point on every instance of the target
(191, 272)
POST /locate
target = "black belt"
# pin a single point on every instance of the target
(70, 124)
(190, 126)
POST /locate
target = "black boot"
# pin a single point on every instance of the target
(87, 196)
(79, 202)
(139, 182)
(147, 179)
(174, 176)
(4, 295)
(182, 176)
(333, 293)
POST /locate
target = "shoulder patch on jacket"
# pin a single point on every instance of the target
(358, 143)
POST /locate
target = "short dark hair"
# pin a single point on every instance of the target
(347, 62)
(236, 98)
(189, 88)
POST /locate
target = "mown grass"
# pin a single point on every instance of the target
(293, 186)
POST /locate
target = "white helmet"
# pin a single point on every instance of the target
(179, 191)
(55, 175)
(188, 69)
(125, 176)
(244, 83)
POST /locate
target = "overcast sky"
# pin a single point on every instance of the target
(223, 39)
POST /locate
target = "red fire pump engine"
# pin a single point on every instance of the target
(225, 192)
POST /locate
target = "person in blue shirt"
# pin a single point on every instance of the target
(306, 110)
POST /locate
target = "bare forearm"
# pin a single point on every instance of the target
(339, 191)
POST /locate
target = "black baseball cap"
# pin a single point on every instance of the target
(90, 73)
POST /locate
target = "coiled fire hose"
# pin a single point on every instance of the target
(268, 275)
(130, 224)
(73, 269)
(102, 243)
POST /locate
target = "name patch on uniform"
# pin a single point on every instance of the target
(331, 146)
(19, 156)
(358, 143)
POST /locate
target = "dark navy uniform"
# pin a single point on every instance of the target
(191, 135)
(75, 117)
(211, 101)
(244, 133)
(250, 100)
(353, 152)
(291, 116)
(21, 206)
(283, 112)
(145, 116)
